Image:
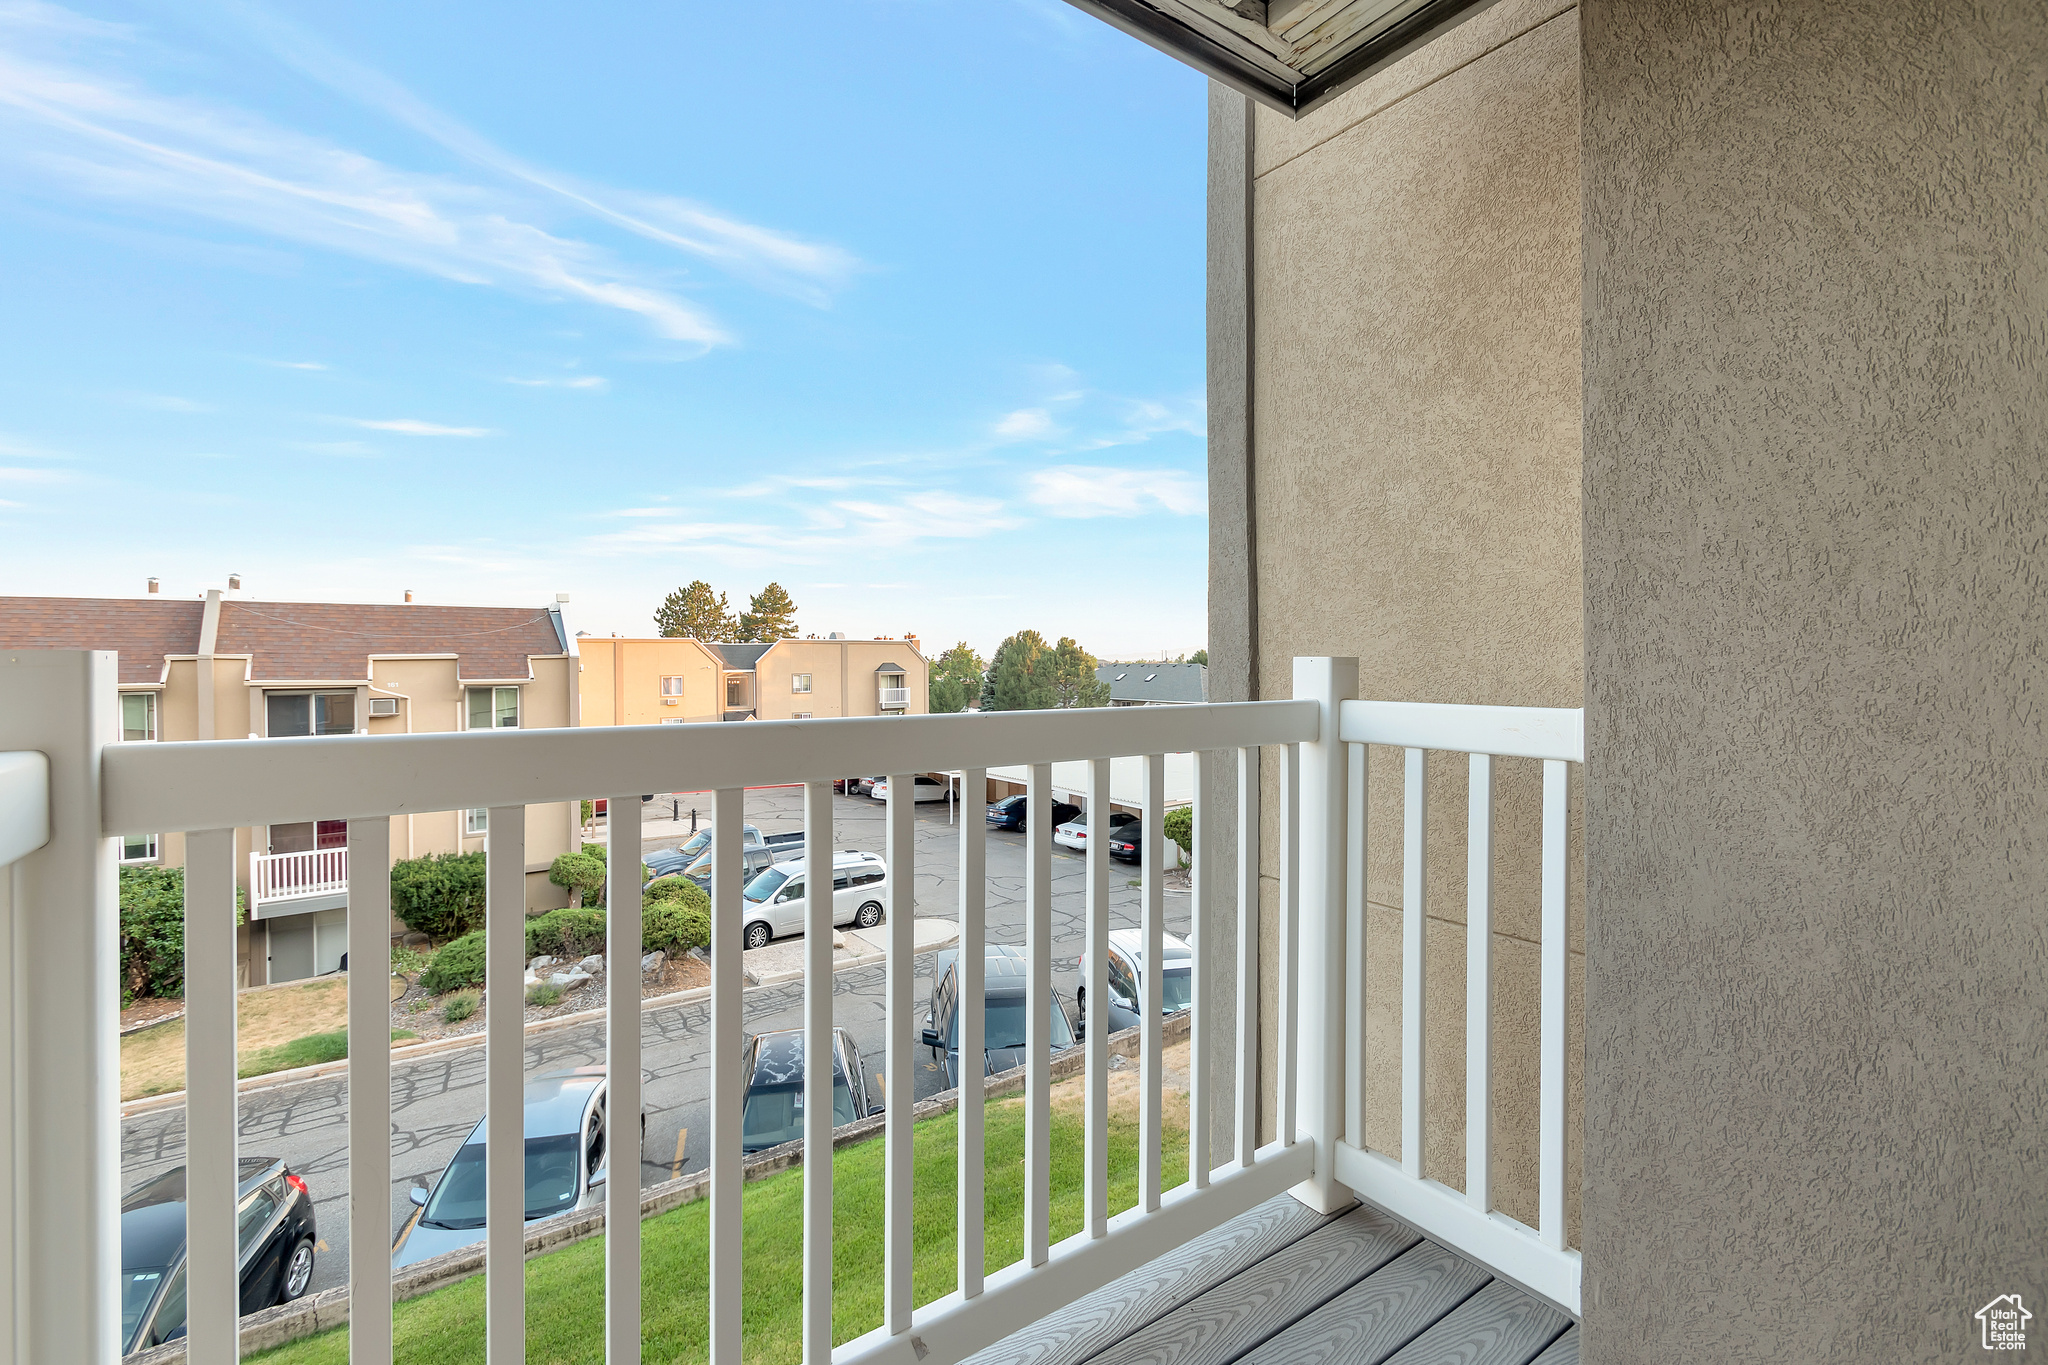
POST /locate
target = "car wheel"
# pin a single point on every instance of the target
(757, 935)
(298, 1272)
(868, 916)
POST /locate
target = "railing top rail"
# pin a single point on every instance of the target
(1507, 731)
(166, 787)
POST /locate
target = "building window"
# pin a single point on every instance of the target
(493, 708)
(735, 692)
(672, 686)
(799, 682)
(138, 848)
(801, 715)
(675, 720)
(476, 821)
(309, 713)
(138, 716)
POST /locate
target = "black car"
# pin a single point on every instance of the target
(1125, 841)
(773, 1064)
(1009, 813)
(1005, 992)
(277, 1236)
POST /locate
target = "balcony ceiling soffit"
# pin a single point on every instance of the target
(1290, 55)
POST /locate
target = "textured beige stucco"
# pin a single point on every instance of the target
(1816, 259)
(1416, 409)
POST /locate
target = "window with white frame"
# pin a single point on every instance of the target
(799, 682)
(138, 848)
(493, 708)
(138, 715)
(476, 820)
(672, 685)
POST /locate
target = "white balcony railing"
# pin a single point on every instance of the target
(277, 877)
(894, 696)
(65, 1297)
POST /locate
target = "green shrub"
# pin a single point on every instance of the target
(460, 963)
(674, 926)
(572, 933)
(153, 932)
(441, 895)
(460, 1008)
(678, 889)
(542, 994)
(1179, 826)
(582, 873)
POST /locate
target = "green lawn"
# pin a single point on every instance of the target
(565, 1289)
(311, 1050)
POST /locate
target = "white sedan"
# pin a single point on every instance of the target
(922, 789)
(1074, 834)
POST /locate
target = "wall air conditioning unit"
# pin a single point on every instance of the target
(383, 706)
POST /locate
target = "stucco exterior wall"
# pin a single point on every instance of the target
(621, 681)
(1817, 643)
(1414, 282)
(842, 677)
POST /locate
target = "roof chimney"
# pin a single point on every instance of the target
(152, 585)
(408, 594)
(562, 598)
(234, 582)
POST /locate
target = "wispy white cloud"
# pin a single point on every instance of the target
(296, 364)
(97, 133)
(408, 426)
(27, 450)
(22, 474)
(351, 448)
(164, 402)
(1024, 424)
(581, 381)
(777, 484)
(1087, 491)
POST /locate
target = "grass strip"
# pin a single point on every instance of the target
(311, 1050)
(565, 1289)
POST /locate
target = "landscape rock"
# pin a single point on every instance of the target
(594, 964)
(652, 962)
(541, 963)
(569, 980)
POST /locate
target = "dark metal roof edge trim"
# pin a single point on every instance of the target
(1424, 26)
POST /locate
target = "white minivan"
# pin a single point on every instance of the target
(774, 901)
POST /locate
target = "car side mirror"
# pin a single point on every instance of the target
(418, 1195)
(931, 1039)
(1129, 1006)
(597, 1178)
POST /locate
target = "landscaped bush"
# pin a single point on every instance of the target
(674, 926)
(460, 1008)
(582, 873)
(571, 933)
(153, 932)
(440, 895)
(1179, 826)
(460, 963)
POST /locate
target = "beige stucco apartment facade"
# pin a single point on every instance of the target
(228, 667)
(1684, 362)
(678, 681)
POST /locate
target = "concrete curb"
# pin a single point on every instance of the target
(290, 1322)
(413, 1051)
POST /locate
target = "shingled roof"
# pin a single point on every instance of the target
(294, 641)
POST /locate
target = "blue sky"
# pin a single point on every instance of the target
(899, 303)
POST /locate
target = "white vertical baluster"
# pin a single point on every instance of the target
(1247, 955)
(622, 1080)
(1414, 943)
(1329, 681)
(1095, 1181)
(1479, 985)
(728, 984)
(1356, 770)
(1556, 945)
(369, 1092)
(973, 995)
(1200, 907)
(899, 846)
(1038, 1006)
(1288, 1081)
(817, 1301)
(1153, 894)
(212, 1175)
(505, 1080)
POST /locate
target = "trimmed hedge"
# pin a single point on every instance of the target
(153, 932)
(674, 918)
(572, 933)
(1179, 826)
(440, 895)
(459, 964)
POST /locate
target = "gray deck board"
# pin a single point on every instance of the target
(1379, 1315)
(1102, 1319)
(1500, 1325)
(1563, 1351)
(1236, 1315)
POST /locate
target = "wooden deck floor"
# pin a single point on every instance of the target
(1284, 1286)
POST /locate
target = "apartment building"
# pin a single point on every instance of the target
(675, 681)
(228, 667)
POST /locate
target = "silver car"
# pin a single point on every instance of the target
(565, 1167)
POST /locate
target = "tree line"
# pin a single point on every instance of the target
(1025, 674)
(700, 612)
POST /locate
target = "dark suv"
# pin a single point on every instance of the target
(1003, 1018)
(773, 1064)
(277, 1237)
(1009, 813)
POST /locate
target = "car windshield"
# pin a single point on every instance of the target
(695, 844)
(1177, 989)
(552, 1168)
(767, 884)
(138, 1287)
(1003, 1021)
(775, 1113)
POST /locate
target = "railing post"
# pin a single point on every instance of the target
(1319, 992)
(61, 1143)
